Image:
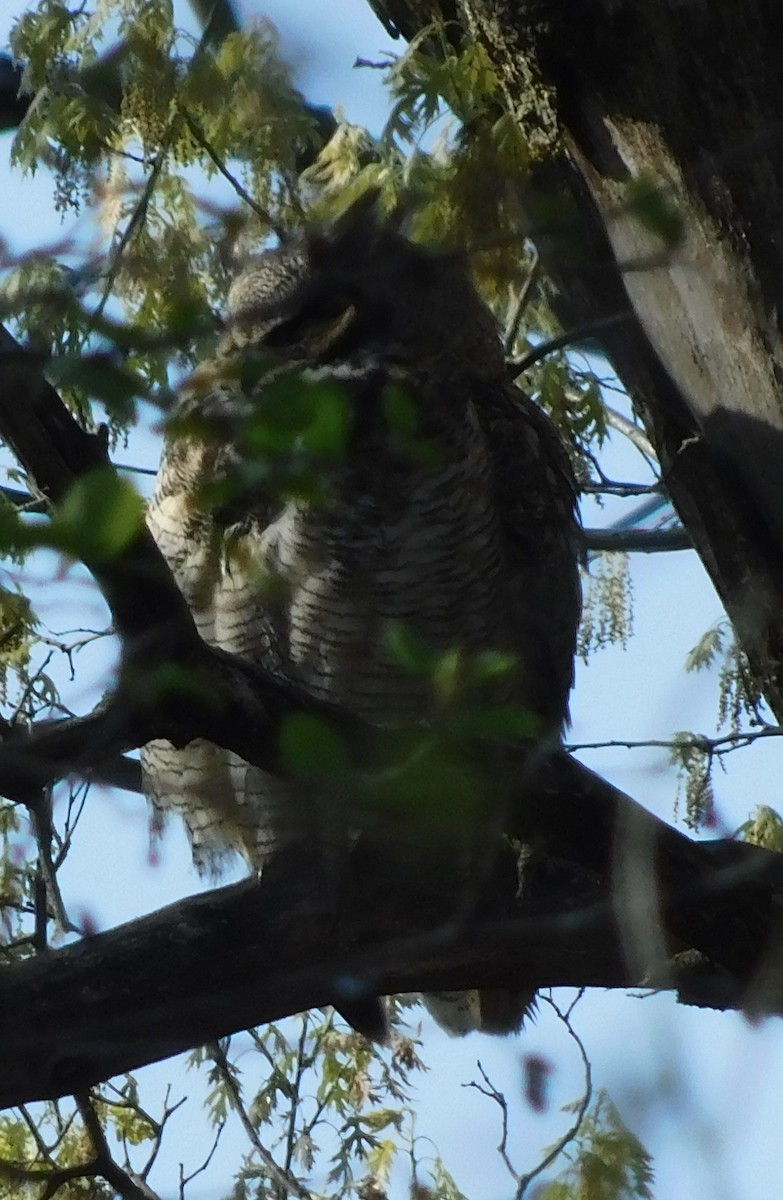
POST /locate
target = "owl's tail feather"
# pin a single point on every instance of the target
(367, 1016)
(499, 1011)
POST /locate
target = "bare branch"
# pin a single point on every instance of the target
(708, 745)
(609, 487)
(136, 221)
(581, 1112)
(263, 215)
(32, 758)
(634, 433)
(40, 810)
(125, 1185)
(488, 1089)
(55, 451)
(23, 500)
(184, 1179)
(644, 541)
(51, 1180)
(520, 304)
(572, 337)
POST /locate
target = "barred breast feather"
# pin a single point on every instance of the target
(471, 545)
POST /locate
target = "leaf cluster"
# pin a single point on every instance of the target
(608, 1162)
(322, 1101)
(607, 615)
(121, 131)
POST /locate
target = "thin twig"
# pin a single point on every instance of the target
(581, 333)
(40, 812)
(157, 1126)
(44, 1151)
(708, 745)
(283, 1179)
(302, 1063)
(610, 487)
(184, 1179)
(262, 213)
(492, 1092)
(77, 799)
(521, 303)
(23, 500)
(584, 1104)
(133, 470)
(137, 220)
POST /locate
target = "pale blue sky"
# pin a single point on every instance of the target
(700, 1088)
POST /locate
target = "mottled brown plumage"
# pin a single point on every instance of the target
(472, 545)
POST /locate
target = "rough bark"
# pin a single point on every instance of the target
(608, 897)
(611, 899)
(686, 96)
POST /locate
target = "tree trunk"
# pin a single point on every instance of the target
(686, 97)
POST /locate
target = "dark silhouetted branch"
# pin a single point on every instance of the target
(253, 952)
(644, 541)
(610, 897)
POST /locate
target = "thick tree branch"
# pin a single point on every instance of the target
(55, 451)
(630, 430)
(253, 952)
(12, 106)
(220, 697)
(609, 894)
(694, 330)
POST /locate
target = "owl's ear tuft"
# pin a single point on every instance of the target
(318, 247)
(360, 233)
(351, 236)
(362, 218)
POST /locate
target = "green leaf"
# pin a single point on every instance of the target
(400, 411)
(310, 747)
(130, 1125)
(326, 434)
(297, 412)
(382, 1118)
(381, 1158)
(763, 828)
(172, 680)
(609, 1162)
(409, 650)
(98, 518)
(405, 437)
(504, 722)
(448, 675)
(489, 665)
(429, 781)
(97, 376)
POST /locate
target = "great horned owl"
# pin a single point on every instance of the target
(473, 546)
